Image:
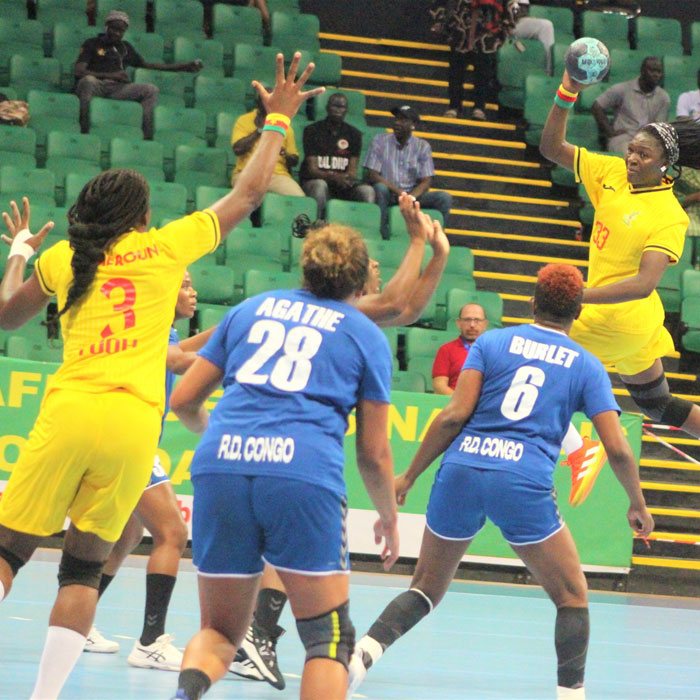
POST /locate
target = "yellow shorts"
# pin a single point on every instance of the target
(631, 353)
(88, 457)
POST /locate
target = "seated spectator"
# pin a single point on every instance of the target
(689, 103)
(450, 358)
(244, 140)
(635, 103)
(100, 71)
(401, 162)
(331, 154)
(535, 28)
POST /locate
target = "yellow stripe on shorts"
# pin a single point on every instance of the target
(333, 648)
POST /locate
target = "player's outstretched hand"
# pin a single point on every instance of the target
(570, 84)
(17, 222)
(402, 485)
(287, 95)
(419, 225)
(390, 535)
(640, 520)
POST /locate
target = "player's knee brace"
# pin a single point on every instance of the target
(81, 572)
(655, 400)
(15, 563)
(571, 642)
(328, 636)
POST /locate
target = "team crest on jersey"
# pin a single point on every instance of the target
(343, 144)
(629, 218)
(608, 187)
(101, 52)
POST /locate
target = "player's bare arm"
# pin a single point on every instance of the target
(195, 387)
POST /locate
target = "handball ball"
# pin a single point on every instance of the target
(587, 60)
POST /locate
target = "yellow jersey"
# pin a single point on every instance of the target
(628, 222)
(245, 124)
(116, 336)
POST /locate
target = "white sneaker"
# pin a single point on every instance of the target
(97, 643)
(356, 672)
(161, 655)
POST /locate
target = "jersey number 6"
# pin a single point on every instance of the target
(522, 393)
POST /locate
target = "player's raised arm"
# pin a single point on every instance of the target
(281, 105)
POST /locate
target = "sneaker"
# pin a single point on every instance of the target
(97, 643)
(260, 650)
(356, 672)
(585, 463)
(478, 114)
(242, 666)
(451, 113)
(161, 655)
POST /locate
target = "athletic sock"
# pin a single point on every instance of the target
(270, 605)
(405, 611)
(159, 588)
(572, 440)
(104, 582)
(194, 683)
(62, 649)
(571, 693)
(571, 642)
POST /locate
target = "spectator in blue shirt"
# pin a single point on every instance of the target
(401, 162)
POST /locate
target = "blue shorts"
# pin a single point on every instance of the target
(241, 522)
(463, 497)
(158, 475)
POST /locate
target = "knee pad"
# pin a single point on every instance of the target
(652, 398)
(676, 412)
(15, 563)
(328, 636)
(81, 572)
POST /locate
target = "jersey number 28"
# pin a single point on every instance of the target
(522, 393)
(291, 371)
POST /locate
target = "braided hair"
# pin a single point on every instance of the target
(687, 132)
(112, 203)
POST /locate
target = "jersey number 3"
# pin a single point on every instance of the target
(522, 393)
(292, 370)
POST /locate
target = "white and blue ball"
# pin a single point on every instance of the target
(587, 60)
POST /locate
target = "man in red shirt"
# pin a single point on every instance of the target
(450, 358)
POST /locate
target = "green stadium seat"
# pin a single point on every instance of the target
(112, 118)
(209, 51)
(182, 327)
(257, 281)
(150, 45)
(168, 200)
(175, 18)
(52, 12)
(205, 196)
(328, 68)
(612, 29)
(690, 283)
(215, 284)
(491, 302)
(247, 244)
(658, 36)
(136, 9)
(28, 73)
(209, 315)
(200, 166)
(408, 381)
(283, 5)
(425, 342)
(363, 216)
(72, 153)
(234, 24)
(19, 36)
(690, 319)
(224, 132)
(172, 86)
(589, 96)
(681, 72)
(513, 68)
(448, 282)
(424, 366)
(24, 348)
(38, 185)
(67, 38)
(74, 185)
(536, 108)
(669, 286)
(15, 11)
(695, 38)
(146, 157)
(295, 31)
(211, 94)
(52, 111)
(397, 225)
(279, 211)
(254, 62)
(387, 253)
(17, 146)
(561, 17)
(179, 126)
(624, 65)
(41, 214)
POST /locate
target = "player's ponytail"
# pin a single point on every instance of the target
(109, 205)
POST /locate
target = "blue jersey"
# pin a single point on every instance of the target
(294, 367)
(173, 339)
(534, 379)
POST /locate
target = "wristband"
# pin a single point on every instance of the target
(276, 117)
(20, 246)
(564, 98)
(567, 93)
(274, 127)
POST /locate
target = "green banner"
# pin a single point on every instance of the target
(599, 526)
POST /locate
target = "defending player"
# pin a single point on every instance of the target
(268, 472)
(639, 230)
(501, 434)
(91, 451)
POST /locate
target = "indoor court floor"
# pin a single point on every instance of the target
(483, 641)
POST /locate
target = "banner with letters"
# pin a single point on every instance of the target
(599, 526)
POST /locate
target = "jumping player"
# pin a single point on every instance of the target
(268, 472)
(639, 230)
(500, 434)
(90, 454)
